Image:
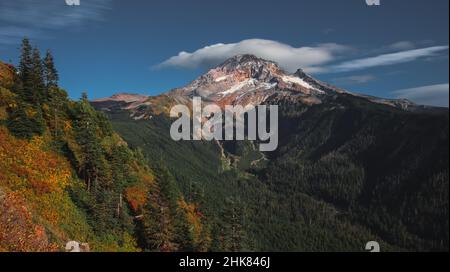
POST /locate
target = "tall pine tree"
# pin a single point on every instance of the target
(234, 236)
(37, 79)
(89, 156)
(26, 120)
(50, 74)
(25, 69)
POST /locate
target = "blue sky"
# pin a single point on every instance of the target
(397, 49)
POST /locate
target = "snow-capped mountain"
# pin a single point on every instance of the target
(241, 80)
(247, 79)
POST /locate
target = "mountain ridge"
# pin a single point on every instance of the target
(249, 80)
(372, 166)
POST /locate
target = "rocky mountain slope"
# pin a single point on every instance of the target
(349, 168)
(246, 80)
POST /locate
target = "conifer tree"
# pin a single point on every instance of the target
(25, 63)
(90, 156)
(50, 73)
(38, 94)
(26, 120)
(234, 237)
(25, 67)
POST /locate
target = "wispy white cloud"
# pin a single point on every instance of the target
(354, 80)
(34, 18)
(313, 59)
(432, 95)
(402, 45)
(288, 57)
(387, 59)
(9, 34)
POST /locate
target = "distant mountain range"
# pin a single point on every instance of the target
(350, 168)
(249, 80)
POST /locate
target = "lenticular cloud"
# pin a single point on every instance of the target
(288, 57)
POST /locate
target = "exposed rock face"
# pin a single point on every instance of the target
(241, 80)
(125, 97)
(244, 80)
(129, 100)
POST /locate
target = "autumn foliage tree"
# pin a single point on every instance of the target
(65, 175)
(18, 233)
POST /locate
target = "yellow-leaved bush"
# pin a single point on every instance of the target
(36, 179)
(201, 238)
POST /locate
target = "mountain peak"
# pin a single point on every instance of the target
(246, 58)
(241, 67)
(250, 80)
(246, 61)
(247, 79)
(300, 73)
(124, 97)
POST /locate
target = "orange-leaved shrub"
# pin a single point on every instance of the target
(18, 233)
(37, 180)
